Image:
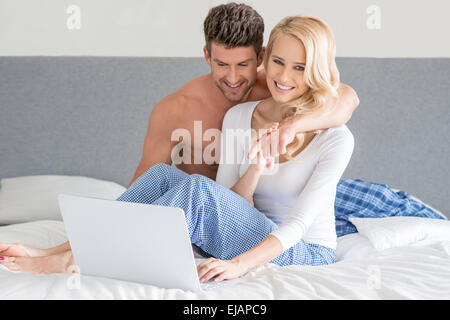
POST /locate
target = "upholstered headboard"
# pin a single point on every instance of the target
(88, 116)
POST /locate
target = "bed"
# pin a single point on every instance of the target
(416, 271)
(77, 124)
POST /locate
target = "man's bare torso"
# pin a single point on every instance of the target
(203, 107)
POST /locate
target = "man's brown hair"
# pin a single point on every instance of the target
(234, 25)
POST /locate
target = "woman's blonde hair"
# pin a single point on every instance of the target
(321, 74)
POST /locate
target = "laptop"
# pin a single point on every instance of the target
(130, 241)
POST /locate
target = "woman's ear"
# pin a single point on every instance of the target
(207, 56)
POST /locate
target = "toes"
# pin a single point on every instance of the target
(5, 259)
(12, 266)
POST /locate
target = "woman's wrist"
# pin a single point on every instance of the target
(265, 251)
(256, 170)
(242, 263)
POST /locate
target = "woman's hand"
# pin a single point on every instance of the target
(275, 141)
(265, 149)
(218, 270)
(246, 185)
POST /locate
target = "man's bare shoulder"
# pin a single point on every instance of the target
(200, 82)
(185, 97)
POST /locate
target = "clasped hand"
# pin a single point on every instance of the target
(269, 144)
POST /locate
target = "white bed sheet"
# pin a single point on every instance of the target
(419, 271)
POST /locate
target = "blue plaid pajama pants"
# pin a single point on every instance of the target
(219, 221)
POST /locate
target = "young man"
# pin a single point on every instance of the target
(233, 50)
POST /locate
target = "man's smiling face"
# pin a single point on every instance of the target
(233, 69)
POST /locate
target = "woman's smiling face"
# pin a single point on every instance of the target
(285, 68)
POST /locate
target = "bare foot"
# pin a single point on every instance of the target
(19, 250)
(58, 263)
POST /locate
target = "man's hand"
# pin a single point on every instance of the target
(274, 142)
(218, 270)
(286, 135)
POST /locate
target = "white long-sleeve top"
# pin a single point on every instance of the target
(297, 195)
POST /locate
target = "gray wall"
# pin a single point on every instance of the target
(88, 116)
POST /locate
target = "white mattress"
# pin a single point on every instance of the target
(419, 271)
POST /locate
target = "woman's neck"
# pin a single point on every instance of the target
(272, 110)
(269, 111)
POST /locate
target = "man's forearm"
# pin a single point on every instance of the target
(139, 171)
(336, 115)
(136, 175)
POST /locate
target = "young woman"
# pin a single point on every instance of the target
(278, 210)
(295, 193)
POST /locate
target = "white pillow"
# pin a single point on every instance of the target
(32, 198)
(397, 231)
(354, 246)
(38, 234)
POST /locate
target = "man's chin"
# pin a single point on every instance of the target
(235, 96)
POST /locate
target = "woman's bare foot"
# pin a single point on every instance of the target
(58, 263)
(19, 250)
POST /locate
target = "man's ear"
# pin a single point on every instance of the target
(261, 55)
(207, 56)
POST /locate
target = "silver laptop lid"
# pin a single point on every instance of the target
(130, 241)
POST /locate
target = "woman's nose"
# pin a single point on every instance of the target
(285, 75)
